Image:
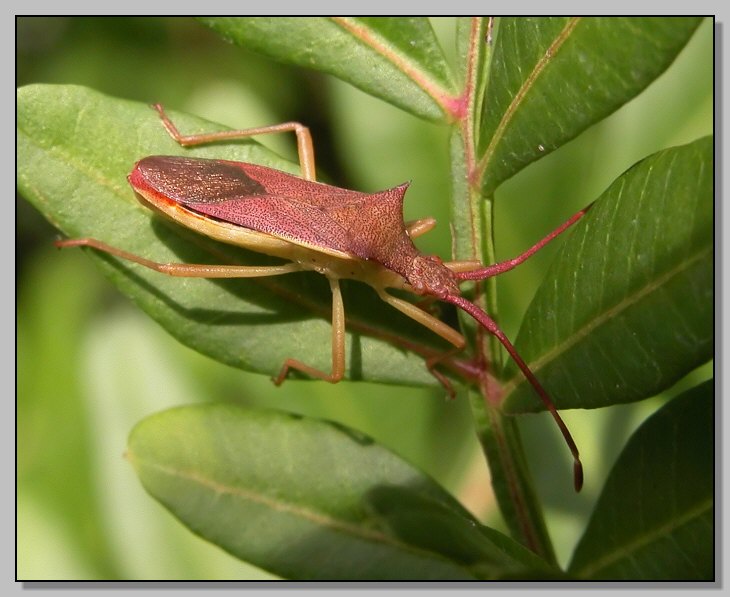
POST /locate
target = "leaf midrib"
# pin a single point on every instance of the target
(305, 513)
(644, 539)
(522, 92)
(432, 88)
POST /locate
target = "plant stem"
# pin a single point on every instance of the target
(500, 440)
(473, 239)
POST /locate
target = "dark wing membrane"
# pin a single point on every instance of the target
(193, 179)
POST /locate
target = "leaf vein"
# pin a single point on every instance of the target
(522, 92)
(608, 315)
(366, 36)
(284, 507)
(629, 549)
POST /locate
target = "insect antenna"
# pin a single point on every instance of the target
(499, 268)
(490, 325)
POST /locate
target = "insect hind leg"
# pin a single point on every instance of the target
(305, 147)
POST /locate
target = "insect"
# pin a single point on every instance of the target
(337, 232)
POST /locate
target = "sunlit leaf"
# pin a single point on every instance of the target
(310, 500)
(551, 78)
(627, 307)
(396, 59)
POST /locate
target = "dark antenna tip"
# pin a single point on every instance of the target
(577, 475)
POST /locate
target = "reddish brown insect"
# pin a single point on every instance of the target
(336, 232)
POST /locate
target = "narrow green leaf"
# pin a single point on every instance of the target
(396, 59)
(626, 309)
(306, 499)
(655, 517)
(551, 78)
(75, 150)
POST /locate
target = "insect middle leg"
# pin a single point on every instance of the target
(305, 147)
(198, 270)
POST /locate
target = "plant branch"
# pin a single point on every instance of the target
(497, 434)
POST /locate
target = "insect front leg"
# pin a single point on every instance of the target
(338, 344)
(418, 227)
(435, 325)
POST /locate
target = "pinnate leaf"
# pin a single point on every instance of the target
(551, 78)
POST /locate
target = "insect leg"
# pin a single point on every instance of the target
(193, 270)
(468, 265)
(185, 270)
(418, 227)
(435, 325)
(305, 147)
(338, 344)
(425, 319)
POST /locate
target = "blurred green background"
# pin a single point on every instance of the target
(90, 365)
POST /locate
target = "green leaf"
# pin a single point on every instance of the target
(626, 309)
(75, 149)
(307, 499)
(396, 59)
(551, 78)
(437, 525)
(655, 517)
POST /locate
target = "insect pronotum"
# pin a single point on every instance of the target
(337, 232)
